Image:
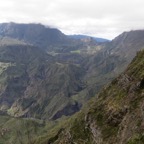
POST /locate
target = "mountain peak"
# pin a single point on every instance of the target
(36, 34)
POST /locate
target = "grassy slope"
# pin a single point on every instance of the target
(115, 116)
(22, 131)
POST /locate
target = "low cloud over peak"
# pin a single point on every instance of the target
(102, 18)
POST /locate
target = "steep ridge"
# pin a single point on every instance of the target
(35, 34)
(113, 59)
(127, 44)
(124, 47)
(114, 116)
(34, 84)
(50, 39)
(108, 62)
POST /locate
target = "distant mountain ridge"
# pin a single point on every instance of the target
(88, 37)
(49, 39)
(35, 34)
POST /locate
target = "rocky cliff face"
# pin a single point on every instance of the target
(113, 58)
(115, 116)
(34, 84)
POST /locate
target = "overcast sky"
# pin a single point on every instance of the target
(100, 18)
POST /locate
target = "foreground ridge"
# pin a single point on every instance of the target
(115, 116)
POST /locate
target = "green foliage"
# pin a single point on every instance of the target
(136, 139)
(76, 51)
(28, 130)
(79, 131)
(135, 68)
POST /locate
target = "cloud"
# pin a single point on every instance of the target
(101, 18)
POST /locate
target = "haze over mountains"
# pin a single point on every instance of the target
(47, 75)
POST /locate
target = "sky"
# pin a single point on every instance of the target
(99, 18)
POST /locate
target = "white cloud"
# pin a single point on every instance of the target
(101, 18)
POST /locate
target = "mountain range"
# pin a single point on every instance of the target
(85, 37)
(114, 116)
(46, 77)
